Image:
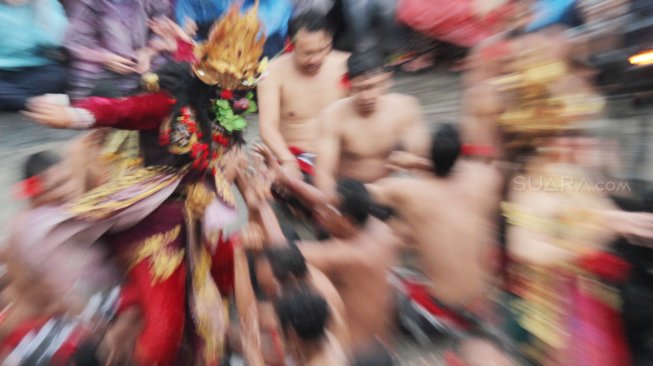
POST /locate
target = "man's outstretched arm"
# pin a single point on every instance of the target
(328, 154)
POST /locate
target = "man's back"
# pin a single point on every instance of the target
(450, 222)
(358, 268)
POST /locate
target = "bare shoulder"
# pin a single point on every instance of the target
(407, 104)
(403, 99)
(338, 107)
(340, 57)
(280, 66)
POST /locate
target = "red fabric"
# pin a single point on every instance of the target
(62, 356)
(13, 339)
(449, 21)
(222, 266)
(289, 47)
(226, 94)
(129, 296)
(479, 150)
(163, 313)
(139, 112)
(65, 353)
(451, 359)
(419, 294)
(607, 266)
(345, 82)
(598, 337)
(162, 302)
(304, 166)
(184, 52)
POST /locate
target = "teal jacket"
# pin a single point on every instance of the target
(27, 29)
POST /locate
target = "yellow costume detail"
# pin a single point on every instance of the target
(207, 308)
(121, 151)
(164, 260)
(114, 195)
(151, 82)
(230, 57)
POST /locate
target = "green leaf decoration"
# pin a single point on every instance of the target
(252, 107)
(239, 123)
(227, 118)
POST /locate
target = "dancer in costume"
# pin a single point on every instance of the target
(165, 220)
(561, 299)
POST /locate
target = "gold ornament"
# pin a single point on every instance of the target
(230, 58)
(151, 82)
(164, 260)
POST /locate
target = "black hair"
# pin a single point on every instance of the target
(256, 287)
(287, 261)
(311, 21)
(355, 200)
(366, 61)
(38, 163)
(290, 233)
(178, 79)
(445, 149)
(305, 312)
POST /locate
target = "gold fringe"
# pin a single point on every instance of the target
(104, 200)
(164, 260)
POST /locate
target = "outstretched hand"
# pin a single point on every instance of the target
(402, 161)
(637, 227)
(255, 182)
(278, 174)
(47, 113)
(169, 32)
(252, 237)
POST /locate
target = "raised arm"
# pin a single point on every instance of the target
(386, 191)
(328, 153)
(306, 193)
(330, 255)
(247, 309)
(140, 112)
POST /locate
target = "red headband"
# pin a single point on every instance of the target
(30, 187)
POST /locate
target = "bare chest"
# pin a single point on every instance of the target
(373, 137)
(304, 98)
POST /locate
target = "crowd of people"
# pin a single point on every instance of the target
(133, 250)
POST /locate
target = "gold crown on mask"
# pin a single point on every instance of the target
(230, 58)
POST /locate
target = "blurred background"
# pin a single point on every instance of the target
(84, 48)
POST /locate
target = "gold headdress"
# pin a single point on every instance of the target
(230, 58)
(533, 109)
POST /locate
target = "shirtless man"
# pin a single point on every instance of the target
(304, 315)
(299, 86)
(359, 133)
(447, 215)
(357, 257)
(482, 102)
